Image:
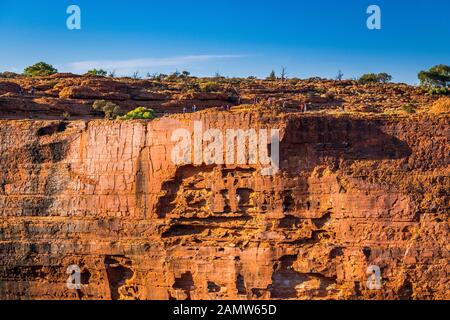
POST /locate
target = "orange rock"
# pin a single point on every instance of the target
(352, 192)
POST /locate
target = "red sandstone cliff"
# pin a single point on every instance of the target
(352, 191)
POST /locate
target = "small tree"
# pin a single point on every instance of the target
(384, 77)
(109, 109)
(40, 69)
(98, 105)
(340, 75)
(97, 72)
(283, 73)
(272, 76)
(136, 75)
(368, 78)
(437, 76)
(375, 78)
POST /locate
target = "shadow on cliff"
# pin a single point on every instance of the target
(26, 166)
(341, 138)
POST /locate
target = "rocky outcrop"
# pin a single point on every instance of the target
(9, 88)
(352, 192)
(74, 95)
(85, 92)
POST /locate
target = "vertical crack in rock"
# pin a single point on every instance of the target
(142, 177)
(142, 180)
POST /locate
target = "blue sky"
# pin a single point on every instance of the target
(231, 37)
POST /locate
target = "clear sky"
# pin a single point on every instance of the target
(231, 37)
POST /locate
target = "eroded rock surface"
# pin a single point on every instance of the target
(351, 192)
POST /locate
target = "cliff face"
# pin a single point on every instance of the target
(351, 193)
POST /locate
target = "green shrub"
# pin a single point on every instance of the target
(439, 91)
(409, 108)
(375, 78)
(109, 109)
(99, 72)
(190, 86)
(140, 113)
(384, 77)
(40, 69)
(437, 76)
(210, 86)
(98, 105)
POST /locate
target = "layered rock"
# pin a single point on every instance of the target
(352, 192)
(55, 97)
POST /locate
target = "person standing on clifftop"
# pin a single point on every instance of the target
(32, 91)
(194, 108)
(184, 110)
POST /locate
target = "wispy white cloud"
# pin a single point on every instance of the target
(135, 64)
